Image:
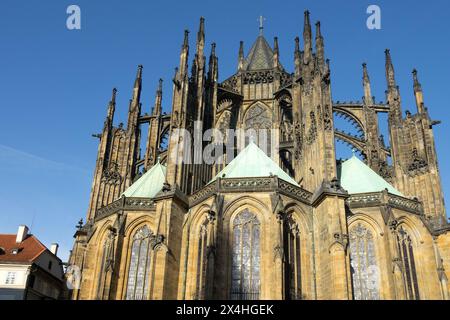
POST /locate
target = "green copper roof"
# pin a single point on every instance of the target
(356, 177)
(149, 184)
(253, 162)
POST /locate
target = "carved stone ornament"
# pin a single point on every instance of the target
(417, 162)
(312, 132)
(111, 175)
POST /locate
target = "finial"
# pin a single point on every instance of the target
(139, 71)
(113, 97)
(261, 24)
(387, 52)
(354, 152)
(318, 32)
(158, 159)
(417, 85)
(275, 44)
(365, 72)
(201, 31)
(80, 224)
(186, 39)
(160, 84)
(307, 22)
(213, 49)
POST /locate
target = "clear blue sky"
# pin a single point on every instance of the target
(55, 83)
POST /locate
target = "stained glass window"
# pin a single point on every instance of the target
(364, 267)
(406, 251)
(245, 274)
(138, 273)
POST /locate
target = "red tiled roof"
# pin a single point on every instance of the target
(29, 249)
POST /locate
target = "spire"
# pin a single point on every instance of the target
(320, 45)
(137, 85)
(297, 59)
(158, 100)
(201, 38)
(276, 53)
(184, 55)
(186, 39)
(417, 85)
(307, 37)
(111, 108)
(390, 74)
(201, 31)
(213, 49)
(366, 83)
(241, 56)
(135, 103)
(393, 94)
(418, 93)
(212, 63)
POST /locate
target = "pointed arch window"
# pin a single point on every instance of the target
(245, 271)
(138, 272)
(258, 122)
(364, 267)
(406, 251)
(202, 257)
(293, 267)
(106, 265)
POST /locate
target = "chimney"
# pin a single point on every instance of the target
(54, 248)
(22, 233)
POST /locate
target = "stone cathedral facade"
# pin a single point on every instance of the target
(292, 224)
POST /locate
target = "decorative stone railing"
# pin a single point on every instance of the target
(125, 203)
(383, 198)
(255, 184)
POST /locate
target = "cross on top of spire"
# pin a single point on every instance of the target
(261, 24)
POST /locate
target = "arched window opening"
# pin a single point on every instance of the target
(202, 262)
(406, 251)
(364, 268)
(293, 266)
(245, 271)
(139, 269)
(258, 124)
(106, 266)
(286, 162)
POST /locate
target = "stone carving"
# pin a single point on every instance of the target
(111, 175)
(312, 132)
(417, 162)
(258, 77)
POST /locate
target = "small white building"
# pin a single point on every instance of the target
(28, 270)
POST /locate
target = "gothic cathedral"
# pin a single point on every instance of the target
(292, 224)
